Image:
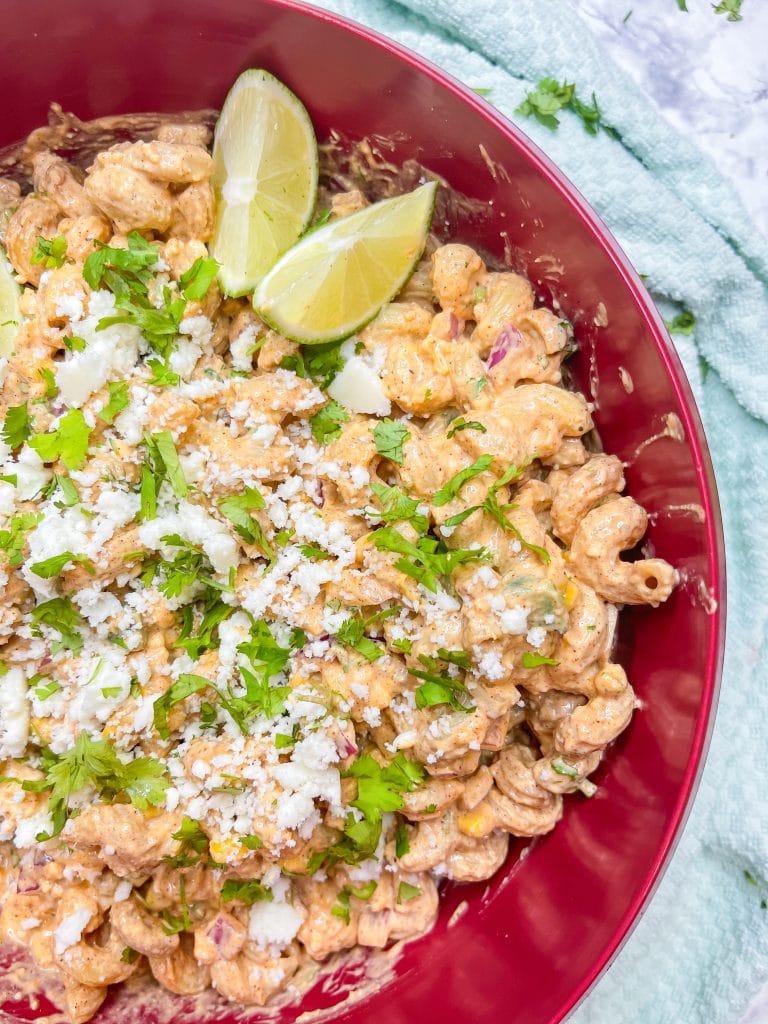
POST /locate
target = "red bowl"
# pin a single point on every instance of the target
(540, 933)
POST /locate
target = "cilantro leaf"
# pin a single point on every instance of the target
(550, 97)
(314, 552)
(326, 423)
(12, 539)
(184, 687)
(426, 560)
(238, 508)
(531, 660)
(438, 687)
(352, 634)
(251, 842)
(166, 452)
(118, 400)
(683, 323)
(396, 507)
(206, 636)
(162, 374)
(16, 428)
(74, 343)
(322, 362)
(451, 489)
(730, 7)
(60, 614)
(461, 424)
(193, 843)
(195, 282)
(682, 4)
(95, 761)
(173, 924)
(389, 437)
(48, 379)
(68, 442)
(51, 252)
(53, 566)
(247, 892)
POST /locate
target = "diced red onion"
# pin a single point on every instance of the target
(219, 931)
(456, 326)
(319, 497)
(508, 338)
(345, 746)
(26, 884)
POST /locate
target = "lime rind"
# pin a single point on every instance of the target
(265, 178)
(10, 318)
(381, 243)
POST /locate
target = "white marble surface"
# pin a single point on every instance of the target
(708, 76)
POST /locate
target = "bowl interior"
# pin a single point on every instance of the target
(536, 936)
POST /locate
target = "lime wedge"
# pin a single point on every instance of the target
(337, 278)
(264, 177)
(9, 307)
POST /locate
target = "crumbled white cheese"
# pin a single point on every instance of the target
(122, 891)
(274, 924)
(536, 636)
(71, 929)
(197, 526)
(14, 713)
(514, 620)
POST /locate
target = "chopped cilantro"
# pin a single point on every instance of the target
(402, 841)
(142, 780)
(75, 343)
(162, 375)
(51, 252)
(683, 323)
(48, 379)
(68, 442)
(206, 636)
(482, 90)
(184, 687)
(53, 566)
(389, 437)
(173, 924)
(531, 660)
(550, 97)
(118, 400)
(438, 687)
(396, 507)
(12, 539)
(326, 423)
(341, 907)
(127, 273)
(238, 508)
(403, 645)
(247, 892)
(426, 560)
(451, 489)
(682, 4)
(314, 552)
(406, 892)
(195, 282)
(129, 956)
(352, 634)
(60, 614)
(322, 362)
(193, 843)
(251, 842)
(43, 692)
(461, 424)
(16, 428)
(730, 7)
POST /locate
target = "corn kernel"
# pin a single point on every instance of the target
(570, 593)
(478, 822)
(227, 850)
(43, 727)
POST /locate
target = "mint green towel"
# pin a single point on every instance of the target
(701, 950)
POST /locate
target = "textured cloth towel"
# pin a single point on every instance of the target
(701, 949)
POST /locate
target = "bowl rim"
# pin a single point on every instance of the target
(695, 436)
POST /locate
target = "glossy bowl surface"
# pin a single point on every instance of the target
(530, 943)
